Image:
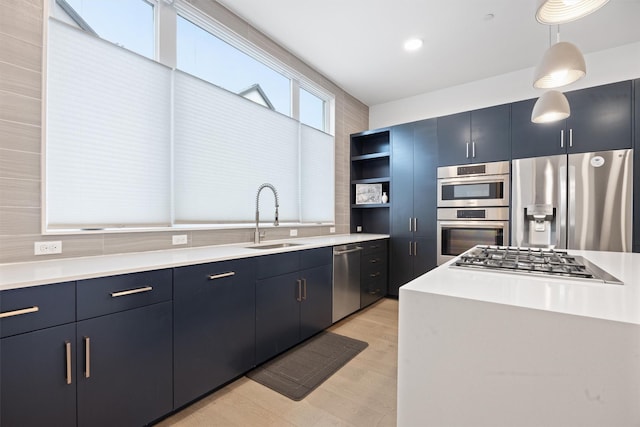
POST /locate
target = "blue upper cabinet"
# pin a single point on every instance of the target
(476, 136)
(601, 119)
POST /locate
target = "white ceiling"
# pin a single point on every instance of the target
(358, 43)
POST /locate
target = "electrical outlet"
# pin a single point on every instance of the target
(179, 239)
(47, 248)
(359, 229)
(332, 229)
(293, 232)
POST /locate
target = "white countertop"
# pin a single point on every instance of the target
(596, 300)
(18, 275)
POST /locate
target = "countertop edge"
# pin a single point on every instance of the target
(35, 273)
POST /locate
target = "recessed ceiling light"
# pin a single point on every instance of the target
(413, 44)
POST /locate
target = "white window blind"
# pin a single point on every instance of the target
(317, 175)
(108, 134)
(226, 146)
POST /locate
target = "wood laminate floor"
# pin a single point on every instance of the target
(362, 393)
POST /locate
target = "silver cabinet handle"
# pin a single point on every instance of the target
(561, 138)
(222, 275)
(131, 291)
(87, 357)
(304, 289)
(410, 224)
(299, 296)
(415, 223)
(571, 137)
(19, 312)
(415, 248)
(374, 260)
(410, 247)
(473, 149)
(376, 274)
(467, 150)
(67, 347)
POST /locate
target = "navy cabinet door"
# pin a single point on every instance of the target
(454, 139)
(214, 326)
(425, 190)
(530, 139)
(315, 308)
(490, 134)
(277, 315)
(34, 375)
(124, 378)
(600, 118)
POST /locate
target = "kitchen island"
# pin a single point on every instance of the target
(481, 348)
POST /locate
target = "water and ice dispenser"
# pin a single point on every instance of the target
(540, 225)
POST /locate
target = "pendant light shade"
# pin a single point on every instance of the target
(550, 107)
(561, 65)
(552, 12)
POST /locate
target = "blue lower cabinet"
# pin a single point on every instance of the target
(125, 367)
(214, 326)
(39, 378)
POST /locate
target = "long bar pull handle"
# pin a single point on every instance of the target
(415, 248)
(571, 137)
(67, 347)
(467, 150)
(415, 223)
(19, 312)
(131, 291)
(561, 138)
(473, 149)
(304, 289)
(409, 248)
(348, 251)
(410, 224)
(299, 296)
(87, 357)
(221, 275)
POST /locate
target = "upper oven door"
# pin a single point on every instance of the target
(492, 190)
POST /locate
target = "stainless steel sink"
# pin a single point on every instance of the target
(274, 246)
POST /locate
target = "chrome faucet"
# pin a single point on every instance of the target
(256, 234)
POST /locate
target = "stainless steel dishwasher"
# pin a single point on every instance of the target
(346, 280)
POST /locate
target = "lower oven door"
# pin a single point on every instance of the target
(456, 237)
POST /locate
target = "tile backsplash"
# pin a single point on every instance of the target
(21, 52)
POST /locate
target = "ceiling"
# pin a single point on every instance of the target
(358, 43)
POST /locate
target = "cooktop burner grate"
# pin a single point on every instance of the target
(549, 262)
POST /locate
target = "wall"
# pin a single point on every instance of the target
(21, 52)
(608, 66)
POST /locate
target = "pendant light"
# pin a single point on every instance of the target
(550, 107)
(562, 64)
(553, 12)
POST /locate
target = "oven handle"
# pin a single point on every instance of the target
(486, 179)
(477, 224)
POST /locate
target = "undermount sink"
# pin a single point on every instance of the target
(274, 246)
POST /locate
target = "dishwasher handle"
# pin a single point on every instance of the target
(347, 251)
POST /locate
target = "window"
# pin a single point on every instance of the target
(204, 55)
(131, 143)
(312, 110)
(127, 23)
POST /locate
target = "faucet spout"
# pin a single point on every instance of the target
(256, 234)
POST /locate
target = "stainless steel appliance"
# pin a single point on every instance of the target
(546, 262)
(484, 184)
(346, 280)
(473, 208)
(574, 201)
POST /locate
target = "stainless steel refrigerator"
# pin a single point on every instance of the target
(573, 201)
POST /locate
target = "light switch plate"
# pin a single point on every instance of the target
(179, 239)
(359, 229)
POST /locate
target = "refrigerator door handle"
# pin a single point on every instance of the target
(569, 195)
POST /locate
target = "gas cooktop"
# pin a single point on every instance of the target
(546, 262)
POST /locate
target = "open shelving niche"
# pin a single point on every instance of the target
(370, 164)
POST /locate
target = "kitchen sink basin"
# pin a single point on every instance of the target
(274, 246)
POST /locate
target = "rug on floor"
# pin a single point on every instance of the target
(300, 370)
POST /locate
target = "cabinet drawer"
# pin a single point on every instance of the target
(37, 307)
(105, 295)
(315, 257)
(372, 271)
(373, 246)
(277, 264)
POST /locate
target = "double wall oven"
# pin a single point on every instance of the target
(473, 207)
